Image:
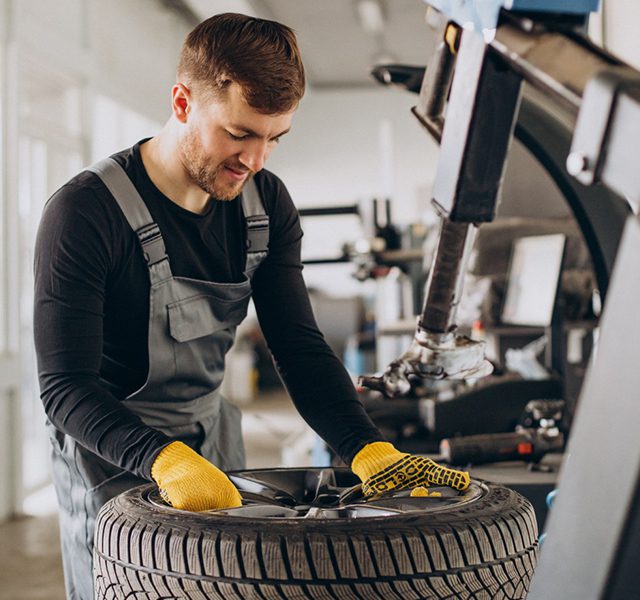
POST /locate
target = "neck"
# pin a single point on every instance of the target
(161, 162)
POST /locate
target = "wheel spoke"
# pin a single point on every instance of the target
(260, 490)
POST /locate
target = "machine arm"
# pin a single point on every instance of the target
(483, 102)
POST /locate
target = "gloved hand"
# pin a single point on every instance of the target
(190, 482)
(381, 468)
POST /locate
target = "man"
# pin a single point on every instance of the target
(145, 264)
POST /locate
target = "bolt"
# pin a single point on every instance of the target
(577, 163)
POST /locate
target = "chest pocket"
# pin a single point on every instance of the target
(205, 315)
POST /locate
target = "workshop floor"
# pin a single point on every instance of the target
(30, 562)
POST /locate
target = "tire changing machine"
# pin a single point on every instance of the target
(592, 545)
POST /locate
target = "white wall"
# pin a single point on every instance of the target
(135, 57)
(122, 49)
(343, 144)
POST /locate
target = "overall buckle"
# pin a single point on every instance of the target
(257, 233)
(152, 243)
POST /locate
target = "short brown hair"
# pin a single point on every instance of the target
(261, 56)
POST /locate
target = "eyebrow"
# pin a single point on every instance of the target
(255, 134)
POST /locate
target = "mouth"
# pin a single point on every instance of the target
(236, 174)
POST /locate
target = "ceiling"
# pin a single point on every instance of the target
(337, 51)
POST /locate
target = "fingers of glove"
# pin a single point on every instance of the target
(423, 492)
(190, 482)
(458, 480)
(399, 476)
(413, 471)
(202, 492)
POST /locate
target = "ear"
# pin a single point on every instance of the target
(181, 102)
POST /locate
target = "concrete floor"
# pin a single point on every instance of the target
(30, 561)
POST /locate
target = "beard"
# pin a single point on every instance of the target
(199, 169)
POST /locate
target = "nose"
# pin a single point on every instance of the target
(254, 155)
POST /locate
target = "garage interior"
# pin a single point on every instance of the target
(546, 283)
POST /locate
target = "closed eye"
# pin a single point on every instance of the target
(237, 138)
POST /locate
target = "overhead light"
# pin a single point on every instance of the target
(371, 16)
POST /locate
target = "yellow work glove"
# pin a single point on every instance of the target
(382, 468)
(190, 482)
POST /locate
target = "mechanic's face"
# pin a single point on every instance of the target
(226, 141)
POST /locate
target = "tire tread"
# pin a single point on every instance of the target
(486, 558)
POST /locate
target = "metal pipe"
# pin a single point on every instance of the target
(435, 86)
(444, 285)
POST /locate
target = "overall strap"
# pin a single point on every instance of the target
(137, 214)
(256, 219)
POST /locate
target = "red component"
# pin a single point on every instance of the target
(525, 448)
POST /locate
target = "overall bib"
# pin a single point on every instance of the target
(192, 325)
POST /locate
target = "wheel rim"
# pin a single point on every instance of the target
(326, 494)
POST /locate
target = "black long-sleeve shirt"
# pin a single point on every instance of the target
(91, 312)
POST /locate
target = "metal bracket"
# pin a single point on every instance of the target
(608, 125)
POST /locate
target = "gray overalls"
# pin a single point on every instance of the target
(191, 327)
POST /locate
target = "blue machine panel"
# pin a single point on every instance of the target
(483, 14)
(556, 6)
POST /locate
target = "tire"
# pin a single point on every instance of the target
(480, 545)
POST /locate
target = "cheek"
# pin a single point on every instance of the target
(217, 147)
(207, 140)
